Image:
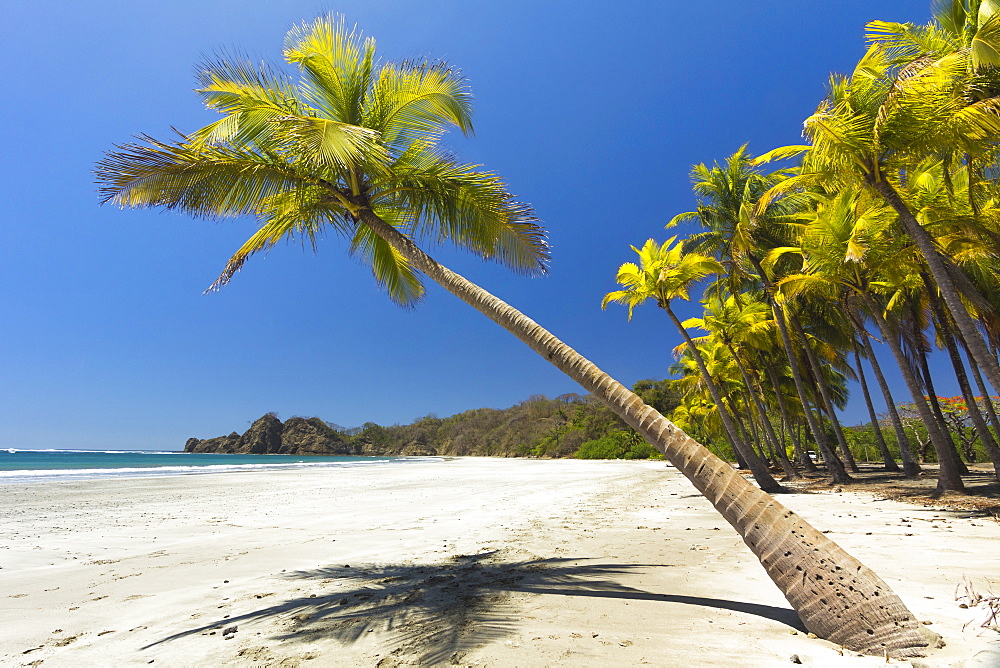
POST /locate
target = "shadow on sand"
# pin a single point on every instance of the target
(437, 613)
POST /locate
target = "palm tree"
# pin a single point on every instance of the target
(877, 125)
(840, 249)
(734, 324)
(351, 147)
(664, 273)
(740, 230)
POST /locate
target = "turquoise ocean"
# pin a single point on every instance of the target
(26, 466)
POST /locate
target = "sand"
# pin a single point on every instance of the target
(478, 562)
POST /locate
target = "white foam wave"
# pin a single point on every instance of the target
(41, 475)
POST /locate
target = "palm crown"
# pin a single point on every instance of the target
(303, 155)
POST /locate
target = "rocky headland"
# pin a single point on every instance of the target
(270, 436)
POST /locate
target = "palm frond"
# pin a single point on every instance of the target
(466, 207)
(391, 270)
(337, 65)
(206, 181)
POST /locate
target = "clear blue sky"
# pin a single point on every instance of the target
(592, 111)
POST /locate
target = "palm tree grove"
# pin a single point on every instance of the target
(849, 258)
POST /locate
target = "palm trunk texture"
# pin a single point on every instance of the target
(834, 467)
(835, 595)
(825, 402)
(949, 479)
(910, 466)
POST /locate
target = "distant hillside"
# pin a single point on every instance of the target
(538, 426)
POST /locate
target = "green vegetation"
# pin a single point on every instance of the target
(537, 427)
(618, 445)
(881, 232)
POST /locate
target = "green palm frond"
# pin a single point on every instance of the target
(301, 213)
(337, 65)
(469, 208)
(391, 270)
(312, 152)
(664, 272)
(986, 42)
(417, 102)
(206, 181)
(331, 147)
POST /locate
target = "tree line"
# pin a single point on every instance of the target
(882, 232)
(570, 425)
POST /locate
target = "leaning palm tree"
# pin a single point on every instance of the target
(352, 147)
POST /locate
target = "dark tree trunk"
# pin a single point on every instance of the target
(911, 468)
(834, 466)
(887, 460)
(987, 399)
(793, 429)
(935, 405)
(949, 479)
(824, 398)
(757, 467)
(977, 346)
(776, 446)
(979, 424)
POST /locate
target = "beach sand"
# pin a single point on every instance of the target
(482, 562)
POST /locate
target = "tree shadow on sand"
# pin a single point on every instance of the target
(437, 613)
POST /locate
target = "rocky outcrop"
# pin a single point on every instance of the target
(224, 444)
(312, 436)
(269, 436)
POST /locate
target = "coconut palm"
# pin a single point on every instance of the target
(881, 122)
(972, 26)
(840, 248)
(664, 273)
(351, 147)
(734, 324)
(740, 230)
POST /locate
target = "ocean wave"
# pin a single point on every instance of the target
(51, 475)
(103, 452)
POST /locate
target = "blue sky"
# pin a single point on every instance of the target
(593, 112)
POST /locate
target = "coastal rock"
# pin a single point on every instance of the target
(222, 444)
(311, 436)
(263, 437)
(269, 436)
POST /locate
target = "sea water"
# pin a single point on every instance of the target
(21, 466)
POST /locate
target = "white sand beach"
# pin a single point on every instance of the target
(478, 562)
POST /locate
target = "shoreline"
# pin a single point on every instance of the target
(475, 561)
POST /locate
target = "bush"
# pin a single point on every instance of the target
(617, 445)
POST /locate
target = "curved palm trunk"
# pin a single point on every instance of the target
(824, 395)
(757, 467)
(948, 477)
(835, 595)
(779, 450)
(792, 428)
(987, 400)
(833, 465)
(910, 466)
(949, 292)
(978, 422)
(935, 405)
(887, 460)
